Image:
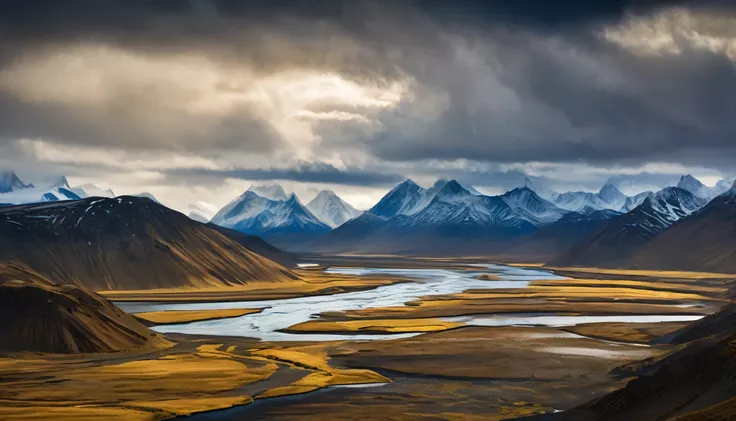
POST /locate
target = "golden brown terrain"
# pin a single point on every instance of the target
(308, 283)
(572, 297)
(373, 326)
(187, 316)
(450, 372)
(193, 376)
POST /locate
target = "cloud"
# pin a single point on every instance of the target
(510, 95)
(368, 92)
(306, 172)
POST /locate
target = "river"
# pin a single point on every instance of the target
(280, 314)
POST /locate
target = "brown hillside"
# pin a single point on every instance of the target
(704, 241)
(127, 243)
(696, 382)
(38, 316)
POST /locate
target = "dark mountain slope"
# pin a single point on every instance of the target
(38, 316)
(546, 243)
(620, 238)
(127, 243)
(257, 245)
(703, 241)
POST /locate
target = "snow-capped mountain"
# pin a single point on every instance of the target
(408, 198)
(579, 201)
(529, 206)
(22, 193)
(148, 195)
(10, 182)
(401, 200)
(196, 216)
(92, 190)
(636, 200)
(701, 241)
(694, 186)
(609, 197)
(253, 214)
(621, 237)
(454, 207)
(331, 209)
(613, 196)
(271, 191)
(668, 206)
(543, 191)
(454, 221)
(722, 186)
(201, 211)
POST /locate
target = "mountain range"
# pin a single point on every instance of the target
(608, 197)
(702, 241)
(272, 219)
(9, 182)
(607, 228)
(620, 240)
(14, 191)
(410, 219)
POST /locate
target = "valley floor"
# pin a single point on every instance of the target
(464, 368)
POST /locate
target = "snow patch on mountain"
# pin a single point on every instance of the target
(609, 197)
(148, 195)
(636, 200)
(21, 193)
(531, 207)
(694, 186)
(666, 207)
(272, 191)
(201, 211)
(613, 196)
(92, 190)
(540, 189)
(331, 209)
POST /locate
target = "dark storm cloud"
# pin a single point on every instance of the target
(496, 81)
(568, 97)
(306, 172)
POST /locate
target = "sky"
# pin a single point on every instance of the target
(193, 101)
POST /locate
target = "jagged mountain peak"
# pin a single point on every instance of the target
(520, 190)
(59, 181)
(252, 213)
(9, 181)
(92, 190)
(609, 188)
(331, 209)
(688, 178)
(326, 193)
(293, 199)
(694, 186)
(273, 191)
(440, 183)
(452, 188)
(406, 197)
(408, 185)
(612, 195)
